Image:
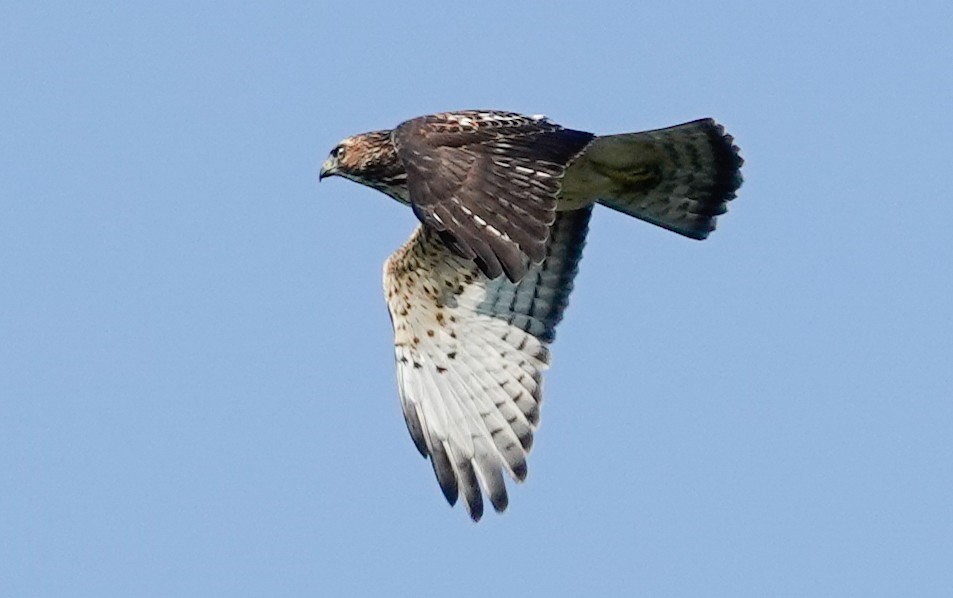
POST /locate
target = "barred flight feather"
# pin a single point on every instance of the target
(470, 354)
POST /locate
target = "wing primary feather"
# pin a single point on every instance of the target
(473, 499)
(490, 476)
(470, 356)
(443, 469)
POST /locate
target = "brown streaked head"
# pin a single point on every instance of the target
(369, 159)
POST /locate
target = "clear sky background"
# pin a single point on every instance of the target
(197, 392)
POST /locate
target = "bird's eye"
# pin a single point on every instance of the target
(338, 152)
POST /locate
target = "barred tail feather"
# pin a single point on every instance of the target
(680, 178)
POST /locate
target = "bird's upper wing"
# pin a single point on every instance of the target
(470, 354)
(487, 182)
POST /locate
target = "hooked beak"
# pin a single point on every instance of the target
(329, 168)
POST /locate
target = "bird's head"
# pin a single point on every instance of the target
(369, 159)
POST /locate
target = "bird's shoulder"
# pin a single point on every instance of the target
(464, 127)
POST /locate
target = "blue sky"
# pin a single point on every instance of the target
(197, 393)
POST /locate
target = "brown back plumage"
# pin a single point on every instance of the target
(488, 182)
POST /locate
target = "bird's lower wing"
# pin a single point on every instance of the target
(470, 355)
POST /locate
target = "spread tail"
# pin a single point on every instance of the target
(680, 178)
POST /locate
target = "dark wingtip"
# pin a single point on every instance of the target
(476, 509)
(450, 493)
(520, 470)
(500, 501)
(471, 490)
(445, 475)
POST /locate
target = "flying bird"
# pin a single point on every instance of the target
(475, 294)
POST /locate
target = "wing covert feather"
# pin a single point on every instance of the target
(487, 182)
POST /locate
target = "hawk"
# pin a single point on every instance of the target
(474, 296)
